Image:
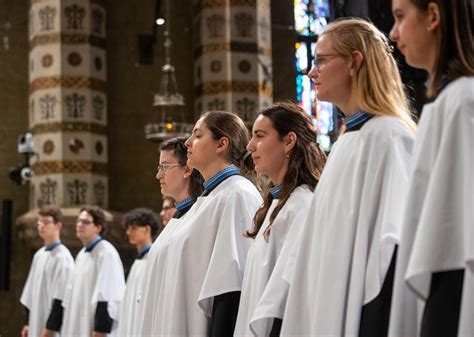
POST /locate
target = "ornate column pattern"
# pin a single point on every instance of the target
(68, 103)
(233, 61)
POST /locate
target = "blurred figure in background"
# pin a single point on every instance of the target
(50, 275)
(142, 226)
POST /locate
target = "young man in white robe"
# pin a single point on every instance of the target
(93, 301)
(142, 226)
(50, 274)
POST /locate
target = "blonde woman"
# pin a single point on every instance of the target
(341, 273)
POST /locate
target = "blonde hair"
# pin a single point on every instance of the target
(376, 84)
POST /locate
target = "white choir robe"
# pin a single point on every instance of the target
(98, 277)
(438, 232)
(272, 302)
(50, 274)
(263, 255)
(129, 317)
(196, 258)
(349, 237)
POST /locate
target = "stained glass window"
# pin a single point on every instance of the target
(310, 21)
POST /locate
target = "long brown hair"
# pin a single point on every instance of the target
(306, 160)
(229, 125)
(456, 51)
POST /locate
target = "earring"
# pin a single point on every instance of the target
(287, 155)
(429, 28)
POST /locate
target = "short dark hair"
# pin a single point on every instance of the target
(180, 151)
(98, 216)
(53, 212)
(142, 217)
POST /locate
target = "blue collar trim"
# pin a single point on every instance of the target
(53, 245)
(356, 119)
(276, 191)
(180, 205)
(142, 252)
(92, 244)
(210, 184)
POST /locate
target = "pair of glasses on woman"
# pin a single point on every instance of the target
(321, 60)
(163, 168)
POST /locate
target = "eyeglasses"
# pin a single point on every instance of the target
(167, 208)
(321, 60)
(84, 222)
(43, 222)
(163, 168)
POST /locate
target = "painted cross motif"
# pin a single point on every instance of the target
(245, 108)
(244, 24)
(77, 191)
(99, 192)
(46, 15)
(98, 107)
(216, 104)
(47, 104)
(48, 190)
(97, 21)
(75, 16)
(215, 25)
(75, 105)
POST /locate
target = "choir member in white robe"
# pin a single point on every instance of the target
(93, 301)
(341, 282)
(200, 258)
(142, 226)
(434, 284)
(50, 274)
(284, 149)
(177, 182)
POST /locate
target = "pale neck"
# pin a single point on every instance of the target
(48, 241)
(143, 244)
(213, 168)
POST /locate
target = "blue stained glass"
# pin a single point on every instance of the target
(311, 20)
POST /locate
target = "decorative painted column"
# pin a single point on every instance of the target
(233, 61)
(68, 103)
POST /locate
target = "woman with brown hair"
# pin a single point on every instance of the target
(435, 272)
(284, 149)
(203, 261)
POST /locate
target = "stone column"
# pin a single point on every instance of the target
(68, 114)
(68, 103)
(233, 61)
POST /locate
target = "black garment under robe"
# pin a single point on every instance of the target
(376, 314)
(224, 314)
(102, 320)
(443, 306)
